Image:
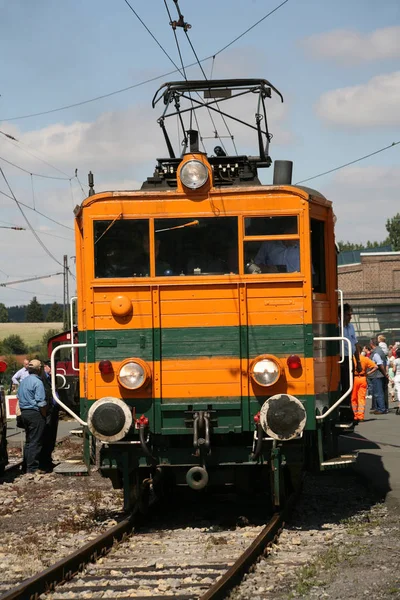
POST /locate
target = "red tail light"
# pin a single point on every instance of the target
(294, 362)
(256, 418)
(105, 367)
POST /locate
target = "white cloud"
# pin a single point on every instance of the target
(120, 147)
(349, 47)
(375, 103)
(363, 199)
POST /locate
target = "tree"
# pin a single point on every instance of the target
(393, 229)
(14, 344)
(3, 313)
(34, 312)
(41, 348)
(344, 246)
(55, 314)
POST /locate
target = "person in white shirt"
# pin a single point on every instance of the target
(21, 374)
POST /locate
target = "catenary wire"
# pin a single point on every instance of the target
(35, 174)
(141, 83)
(352, 162)
(21, 146)
(28, 222)
(184, 75)
(37, 211)
(205, 77)
(153, 36)
(30, 292)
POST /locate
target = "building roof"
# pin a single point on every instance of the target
(350, 257)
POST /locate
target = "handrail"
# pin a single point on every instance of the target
(340, 293)
(53, 380)
(350, 357)
(71, 308)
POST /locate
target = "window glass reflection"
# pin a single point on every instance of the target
(272, 256)
(205, 246)
(121, 248)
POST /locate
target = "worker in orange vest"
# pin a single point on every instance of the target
(361, 365)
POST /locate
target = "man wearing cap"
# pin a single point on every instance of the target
(32, 402)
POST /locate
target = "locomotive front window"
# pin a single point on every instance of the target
(121, 248)
(269, 255)
(204, 246)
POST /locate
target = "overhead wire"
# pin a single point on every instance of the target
(28, 222)
(144, 82)
(185, 76)
(193, 112)
(35, 174)
(352, 162)
(21, 146)
(38, 212)
(30, 292)
(205, 77)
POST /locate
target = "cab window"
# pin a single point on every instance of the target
(271, 252)
(204, 246)
(121, 248)
(318, 256)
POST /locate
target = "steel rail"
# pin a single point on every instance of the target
(66, 568)
(235, 573)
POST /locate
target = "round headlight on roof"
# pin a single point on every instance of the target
(265, 371)
(194, 174)
(133, 374)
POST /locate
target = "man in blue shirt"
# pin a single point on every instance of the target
(279, 256)
(378, 378)
(32, 403)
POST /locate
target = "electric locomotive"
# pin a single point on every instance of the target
(207, 316)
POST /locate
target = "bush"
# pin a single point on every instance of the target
(12, 367)
(14, 344)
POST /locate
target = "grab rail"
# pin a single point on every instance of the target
(350, 357)
(53, 380)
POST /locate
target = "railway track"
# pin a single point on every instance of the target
(184, 563)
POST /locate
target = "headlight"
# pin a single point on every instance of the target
(194, 174)
(132, 375)
(265, 372)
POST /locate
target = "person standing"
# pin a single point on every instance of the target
(348, 332)
(32, 402)
(21, 374)
(396, 371)
(361, 364)
(51, 426)
(378, 379)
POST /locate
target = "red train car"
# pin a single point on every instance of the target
(67, 368)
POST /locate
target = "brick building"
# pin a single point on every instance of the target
(372, 286)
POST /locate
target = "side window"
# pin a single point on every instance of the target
(121, 248)
(318, 256)
(269, 255)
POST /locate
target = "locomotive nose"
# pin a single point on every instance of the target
(109, 419)
(283, 417)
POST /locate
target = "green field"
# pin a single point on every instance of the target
(31, 333)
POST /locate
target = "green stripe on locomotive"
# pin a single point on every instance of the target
(191, 342)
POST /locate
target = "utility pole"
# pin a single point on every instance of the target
(66, 294)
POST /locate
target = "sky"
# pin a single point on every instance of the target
(335, 62)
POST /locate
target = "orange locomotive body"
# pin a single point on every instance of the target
(206, 303)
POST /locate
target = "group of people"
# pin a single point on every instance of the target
(38, 415)
(376, 372)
